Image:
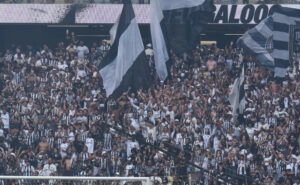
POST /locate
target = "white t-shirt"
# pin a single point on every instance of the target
(172, 114)
(81, 119)
(5, 120)
(38, 63)
(16, 57)
(178, 138)
(62, 66)
(266, 160)
(152, 131)
(1, 133)
(89, 143)
(131, 145)
(128, 167)
(48, 169)
(206, 138)
(264, 126)
(71, 136)
(81, 74)
(135, 124)
(153, 179)
(82, 50)
(149, 52)
(250, 131)
(63, 148)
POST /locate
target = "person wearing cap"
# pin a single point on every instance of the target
(104, 46)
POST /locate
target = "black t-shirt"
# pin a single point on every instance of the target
(79, 146)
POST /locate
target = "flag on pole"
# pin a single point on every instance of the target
(269, 40)
(125, 65)
(237, 95)
(175, 24)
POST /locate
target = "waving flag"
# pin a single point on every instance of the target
(269, 40)
(175, 24)
(125, 65)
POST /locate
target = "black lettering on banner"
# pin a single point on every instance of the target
(248, 8)
(273, 9)
(232, 15)
(222, 14)
(258, 10)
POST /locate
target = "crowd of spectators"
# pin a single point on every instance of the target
(56, 119)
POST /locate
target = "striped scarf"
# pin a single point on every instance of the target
(107, 142)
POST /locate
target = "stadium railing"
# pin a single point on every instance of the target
(70, 180)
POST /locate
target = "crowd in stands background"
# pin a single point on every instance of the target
(56, 119)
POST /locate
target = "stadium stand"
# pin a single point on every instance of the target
(56, 119)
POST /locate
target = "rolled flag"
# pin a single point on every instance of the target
(237, 95)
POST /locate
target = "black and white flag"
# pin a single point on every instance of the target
(237, 95)
(269, 41)
(125, 65)
(175, 24)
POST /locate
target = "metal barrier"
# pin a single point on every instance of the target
(146, 180)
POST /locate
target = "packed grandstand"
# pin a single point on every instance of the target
(56, 118)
